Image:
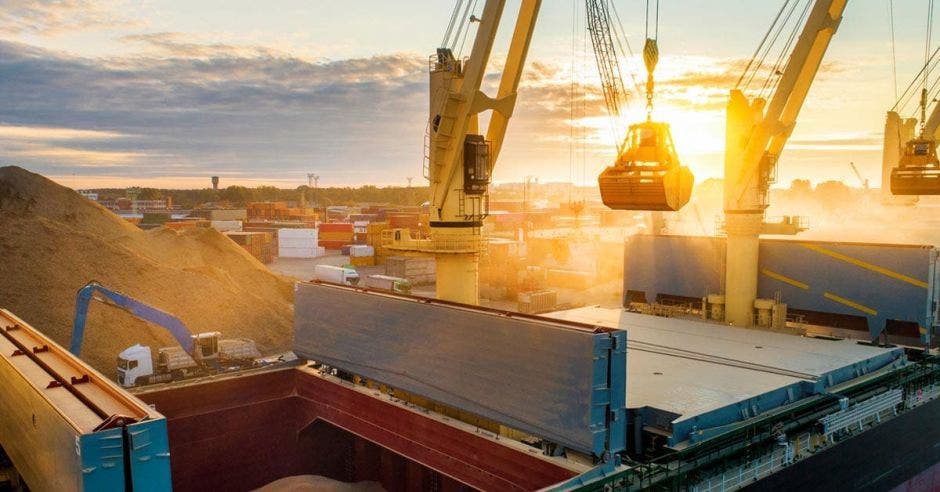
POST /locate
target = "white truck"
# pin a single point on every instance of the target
(336, 275)
(388, 283)
(210, 354)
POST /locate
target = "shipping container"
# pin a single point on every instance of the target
(404, 221)
(226, 225)
(333, 244)
(536, 302)
(419, 270)
(361, 250)
(336, 227)
(362, 260)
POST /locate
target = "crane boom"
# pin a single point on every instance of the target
(460, 158)
(933, 123)
(163, 319)
(756, 134)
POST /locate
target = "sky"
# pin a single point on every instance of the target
(167, 93)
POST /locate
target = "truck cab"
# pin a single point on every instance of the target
(134, 365)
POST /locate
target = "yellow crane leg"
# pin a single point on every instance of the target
(457, 277)
(743, 231)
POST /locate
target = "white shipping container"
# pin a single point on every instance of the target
(361, 250)
(226, 225)
(296, 234)
(297, 243)
(300, 252)
(383, 282)
(296, 252)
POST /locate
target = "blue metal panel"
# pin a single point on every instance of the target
(690, 266)
(549, 379)
(875, 281)
(882, 281)
(149, 455)
(102, 458)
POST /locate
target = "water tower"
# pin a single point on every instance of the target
(215, 183)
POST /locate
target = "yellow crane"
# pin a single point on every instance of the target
(460, 158)
(756, 133)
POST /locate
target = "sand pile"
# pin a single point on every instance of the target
(53, 241)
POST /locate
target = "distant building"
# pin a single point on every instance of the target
(89, 195)
(140, 205)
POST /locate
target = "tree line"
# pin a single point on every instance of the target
(239, 196)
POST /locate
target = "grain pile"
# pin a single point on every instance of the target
(316, 483)
(53, 241)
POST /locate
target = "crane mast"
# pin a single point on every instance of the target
(460, 158)
(756, 133)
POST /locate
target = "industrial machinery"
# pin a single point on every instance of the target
(756, 133)
(918, 173)
(647, 174)
(203, 353)
(66, 427)
(459, 157)
(910, 161)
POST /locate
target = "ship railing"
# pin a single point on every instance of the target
(747, 473)
(856, 416)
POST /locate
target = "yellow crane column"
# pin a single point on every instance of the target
(460, 159)
(754, 140)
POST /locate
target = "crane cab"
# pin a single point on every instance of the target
(647, 175)
(918, 173)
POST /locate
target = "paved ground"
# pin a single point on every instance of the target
(302, 268)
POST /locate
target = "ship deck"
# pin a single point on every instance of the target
(686, 376)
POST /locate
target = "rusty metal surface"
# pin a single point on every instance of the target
(239, 433)
(527, 373)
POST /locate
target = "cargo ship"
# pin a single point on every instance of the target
(422, 394)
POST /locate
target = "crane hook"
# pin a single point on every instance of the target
(650, 59)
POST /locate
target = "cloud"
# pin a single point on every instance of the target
(49, 133)
(180, 108)
(218, 110)
(51, 18)
(179, 45)
(842, 141)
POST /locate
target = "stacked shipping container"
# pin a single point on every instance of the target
(361, 255)
(419, 270)
(298, 243)
(259, 244)
(335, 235)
